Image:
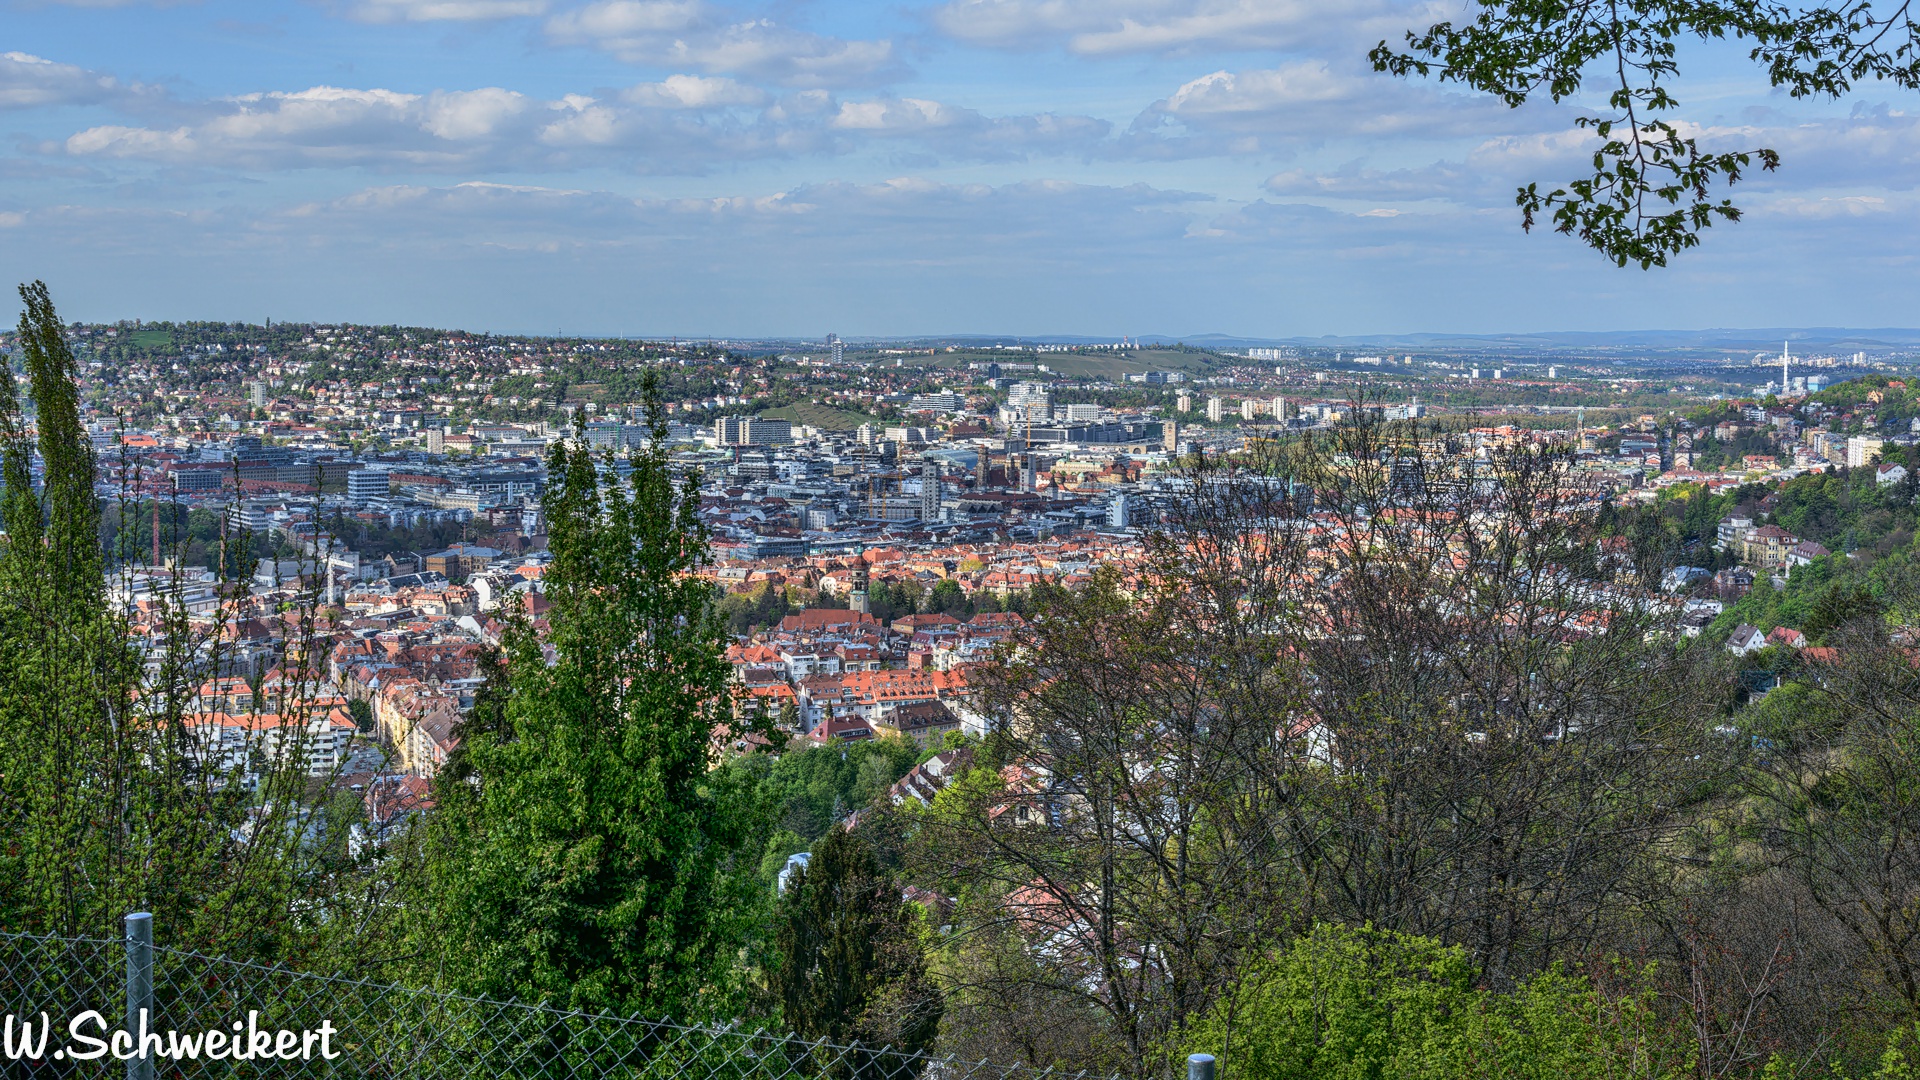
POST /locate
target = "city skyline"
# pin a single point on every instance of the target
(676, 167)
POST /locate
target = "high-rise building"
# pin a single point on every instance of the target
(1249, 408)
(930, 492)
(1862, 449)
(1183, 401)
(1280, 410)
(1117, 512)
(1031, 398)
(257, 394)
(1170, 436)
(836, 347)
(436, 440)
(1215, 410)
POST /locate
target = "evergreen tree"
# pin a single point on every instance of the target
(850, 968)
(106, 805)
(600, 864)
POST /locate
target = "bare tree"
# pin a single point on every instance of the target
(1369, 677)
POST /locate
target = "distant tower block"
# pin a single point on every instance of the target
(836, 347)
(930, 493)
(1280, 410)
(1170, 436)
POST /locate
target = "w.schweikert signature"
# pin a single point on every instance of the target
(89, 1038)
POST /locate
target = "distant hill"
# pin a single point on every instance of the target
(1737, 340)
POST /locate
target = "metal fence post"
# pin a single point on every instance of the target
(139, 990)
(1199, 1067)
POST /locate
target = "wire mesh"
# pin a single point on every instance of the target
(213, 1016)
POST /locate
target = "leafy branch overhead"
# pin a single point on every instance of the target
(1652, 191)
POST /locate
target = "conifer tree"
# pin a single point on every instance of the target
(850, 968)
(600, 864)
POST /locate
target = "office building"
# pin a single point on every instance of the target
(751, 431)
(940, 401)
(364, 484)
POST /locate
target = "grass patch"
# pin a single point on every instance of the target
(825, 417)
(150, 339)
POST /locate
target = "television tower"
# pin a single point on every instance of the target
(1785, 383)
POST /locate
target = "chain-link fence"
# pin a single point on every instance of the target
(74, 1006)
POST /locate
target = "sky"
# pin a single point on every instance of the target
(878, 168)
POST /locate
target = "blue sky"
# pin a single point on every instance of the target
(706, 167)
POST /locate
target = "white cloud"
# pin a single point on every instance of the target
(1441, 180)
(1108, 27)
(951, 224)
(684, 123)
(965, 133)
(404, 11)
(1310, 101)
(472, 114)
(694, 92)
(28, 81)
(323, 125)
(694, 34)
(893, 115)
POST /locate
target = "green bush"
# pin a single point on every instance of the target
(1364, 1004)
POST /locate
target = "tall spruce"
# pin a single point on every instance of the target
(850, 968)
(600, 864)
